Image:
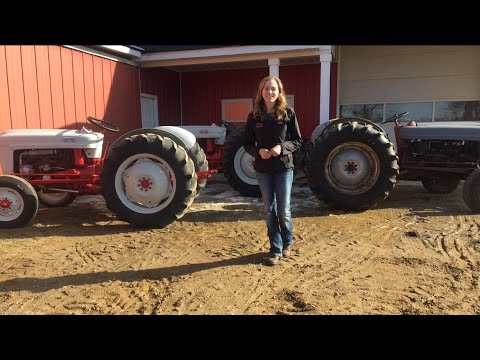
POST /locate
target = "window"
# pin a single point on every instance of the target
(457, 111)
(236, 110)
(420, 112)
(373, 112)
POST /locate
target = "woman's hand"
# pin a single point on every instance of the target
(264, 153)
(276, 150)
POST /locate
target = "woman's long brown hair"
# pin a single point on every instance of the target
(280, 106)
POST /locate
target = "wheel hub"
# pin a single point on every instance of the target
(146, 182)
(351, 167)
(5, 204)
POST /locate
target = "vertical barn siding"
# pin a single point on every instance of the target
(30, 86)
(43, 85)
(68, 90)
(57, 87)
(165, 84)
(5, 118)
(79, 88)
(15, 86)
(303, 81)
(89, 84)
(52, 85)
(202, 92)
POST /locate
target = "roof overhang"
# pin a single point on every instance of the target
(236, 57)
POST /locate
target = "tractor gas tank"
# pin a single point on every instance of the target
(53, 139)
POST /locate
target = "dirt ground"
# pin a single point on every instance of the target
(416, 253)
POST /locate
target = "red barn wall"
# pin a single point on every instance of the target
(303, 81)
(57, 87)
(165, 84)
(202, 92)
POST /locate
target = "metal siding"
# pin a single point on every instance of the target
(202, 92)
(135, 78)
(15, 87)
(98, 86)
(5, 118)
(303, 81)
(44, 87)
(58, 108)
(30, 86)
(165, 84)
(107, 84)
(79, 88)
(89, 84)
(68, 88)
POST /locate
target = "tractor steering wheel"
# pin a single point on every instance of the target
(395, 117)
(103, 124)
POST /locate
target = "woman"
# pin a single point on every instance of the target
(272, 135)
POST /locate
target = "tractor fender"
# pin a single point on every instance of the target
(182, 137)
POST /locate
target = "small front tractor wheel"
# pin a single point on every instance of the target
(56, 199)
(149, 180)
(18, 202)
(441, 184)
(471, 191)
(237, 165)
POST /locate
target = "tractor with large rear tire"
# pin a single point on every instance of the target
(148, 177)
(352, 164)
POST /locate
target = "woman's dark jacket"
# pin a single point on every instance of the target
(265, 133)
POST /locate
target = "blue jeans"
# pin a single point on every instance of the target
(276, 190)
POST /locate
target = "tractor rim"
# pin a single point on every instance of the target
(352, 168)
(145, 183)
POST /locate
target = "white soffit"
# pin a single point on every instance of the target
(231, 54)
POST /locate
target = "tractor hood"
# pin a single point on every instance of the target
(442, 130)
(51, 139)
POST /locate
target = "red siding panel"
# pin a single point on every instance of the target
(202, 92)
(30, 86)
(44, 88)
(5, 119)
(107, 82)
(15, 86)
(79, 88)
(89, 84)
(98, 85)
(53, 115)
(303, 81)
(135, 98)
(57, 87)
(68, 88)
(165, 84)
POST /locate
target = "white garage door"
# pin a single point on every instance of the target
(433, 83)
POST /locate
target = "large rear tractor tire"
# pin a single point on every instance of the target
(237, 165)
(352, 165)
(18, 202)
(149, 180)
(471, 191)
(441, 184)
(200, 162)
